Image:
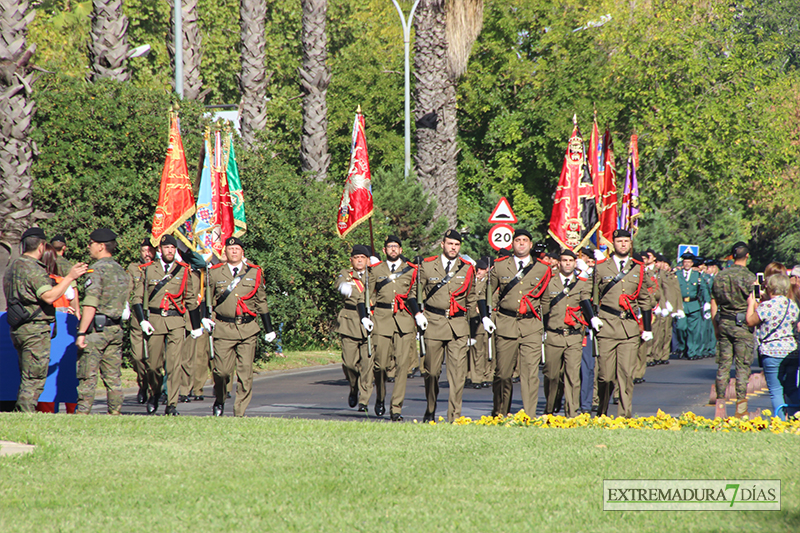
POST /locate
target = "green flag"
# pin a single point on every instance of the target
(237, 195)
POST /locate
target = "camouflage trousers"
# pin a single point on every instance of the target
(735, 344)
(103, 353)
(32, 342)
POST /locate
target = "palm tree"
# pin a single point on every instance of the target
(253, 78)
(192, 42)
(314, 80)
(445, 31)
(108, 48)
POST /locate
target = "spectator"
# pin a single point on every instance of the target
(777, 347)
(68, 303)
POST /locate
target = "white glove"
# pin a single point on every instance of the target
(669, 308)
(270, 337)
(581, 265)
(346, 289)
(657, 310)
(488, 325)
(647, 336)
(596, 323)
(706, 307)
(367, 323)
(147, 327)
(373, 260)
(665, 313)
(422, 322)
(126, 313)
(70, 295)
(679, 314)
(472, 342)
(197, 333)
(598, 255)
(208, 324)
(707, 315)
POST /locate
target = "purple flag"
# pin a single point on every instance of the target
(629, 214)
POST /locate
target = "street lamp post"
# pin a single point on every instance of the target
(406, 45)
(178, 16)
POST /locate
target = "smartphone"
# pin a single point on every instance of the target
(760, 278)
(757, 291)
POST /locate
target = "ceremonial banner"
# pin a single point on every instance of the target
(596, 156)
(629, 215)
(207, 228)
(607, 194)
(574, 217)
(236, 192)
(219, 174)
(175, 198)
(356, 205)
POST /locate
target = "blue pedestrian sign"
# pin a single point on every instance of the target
(691, 248)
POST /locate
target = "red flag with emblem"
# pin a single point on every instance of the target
(219, 175)
(607, 194)
(574, 217)
(356, 204)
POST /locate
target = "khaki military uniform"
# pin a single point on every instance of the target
(26, 280)
(135, 331)
(166, 307)
(236, 330)
(357, 363)
(480, 368)
(519, 332)
(563, 346)
(643, 354)
(618, 339)
(107, 290)
(394, 325)
(195, 364)
(448, 328)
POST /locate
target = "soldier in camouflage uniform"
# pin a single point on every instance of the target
(100, 331)
(148, 253)
(732, 286)
(30, 293)
(59, 243)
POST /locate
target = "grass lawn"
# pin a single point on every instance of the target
(136, 473)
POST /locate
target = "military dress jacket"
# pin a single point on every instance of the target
(389, 294)
(518, 314)
(694, 291)
(135, 274)
(236, 311)
(657, 287)
(349, 321)
(673, 291)
(446, 308)
(168, 305)
(619, 307)
(107, 288)
(567, 313)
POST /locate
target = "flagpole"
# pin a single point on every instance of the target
(371, 237)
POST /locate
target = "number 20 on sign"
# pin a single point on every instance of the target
(501, 236)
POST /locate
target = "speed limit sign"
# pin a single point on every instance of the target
(500, 236)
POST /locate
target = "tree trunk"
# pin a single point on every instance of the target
(435, 112)
(253, 79)
(108, 49)
(314, 80)
(192, 42)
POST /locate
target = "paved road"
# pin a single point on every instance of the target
(321, 393)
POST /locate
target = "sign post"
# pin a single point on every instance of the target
(501, 234)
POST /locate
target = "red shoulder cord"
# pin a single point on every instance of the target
(399, 303)
(625, 300)
(241, 306)
(455, 307)
(171, 297)
(574, 317)
(534, 293)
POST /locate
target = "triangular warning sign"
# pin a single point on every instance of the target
(503, 213)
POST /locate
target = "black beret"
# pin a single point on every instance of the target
(34, 232)
(650, 251)
(169, 240)
(488, 260)
(740, 244)
(698, 261)
(553, 255)
(360, 249)
(418, 260)
(103, 235)
(688, 255)
(567, 252)
(637, 256)
(522, 232)
(587, 251)
(146, 242)
(621, 233)
(661, 258)
(452, 234)
(233, 241)
(504, 252)
(59, 238)
(711, 262)
(393, 238)
(481, 264)
(539, 247)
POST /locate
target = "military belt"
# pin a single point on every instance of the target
(689, 299)
(624, 315)
(238, 319)
(112, 321)
(164, 312)
(515, 314)
(566, 331)
(383, 305)
(350, 307)
(443, 312)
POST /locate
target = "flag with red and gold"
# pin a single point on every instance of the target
(175, 198)
(356, 204)
(574, 217)
(607, 194)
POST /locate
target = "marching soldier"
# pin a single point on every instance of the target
(164, 286)
(30, 294)
(354, 327)
(448, 284)
(392, 286)
(239, 299)
(566, 307)
(520, 280)
(623, 289)
(480, 368)
(100, 331)
(671, 305)
(199, 363)
(656, 290)
(147, 254)
(732, 287)
(693, 292)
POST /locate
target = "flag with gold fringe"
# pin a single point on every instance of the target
(207, 229)
(629, 214)
(607, 194)
(235, 188)
(356, 204)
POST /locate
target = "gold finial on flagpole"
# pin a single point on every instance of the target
(358, 111)
(575, 120)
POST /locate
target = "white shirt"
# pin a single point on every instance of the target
(166, 266)
(617, 260)
(687, 273)
(566, 280)
(525, 260)
(239, 267)
(396, 264)
(445, 260)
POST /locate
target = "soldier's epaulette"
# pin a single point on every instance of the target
(251, 265)
(502, 258)
(145, 265)
(582, 278)
(184, 265)
(217, 266)
(637, 261)
(373, 265)
(431, 258)
(603, 260)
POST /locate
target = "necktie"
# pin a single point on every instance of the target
(393, 267)
(235, 271)
(166, 268)
(449, 264)
(621, 264)
(520, 266)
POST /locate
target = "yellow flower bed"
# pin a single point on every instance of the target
(661, 421)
